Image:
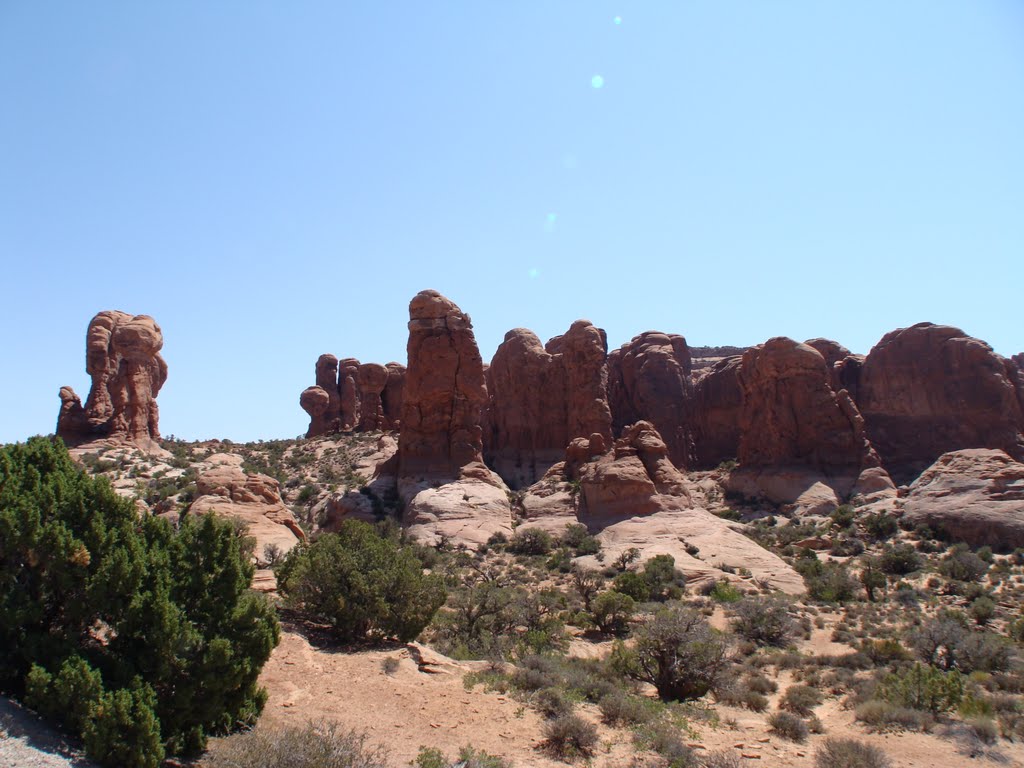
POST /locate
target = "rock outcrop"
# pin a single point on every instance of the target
(448, 492)
(802, 443)
(123, 359)
(632, 495)
(835, 354)
(527, 416)
(252, 499)
(584, 351)
(974, 495)
(717, 404)
(930, 389)
(360, 397)
(540, 398)
(650, 379)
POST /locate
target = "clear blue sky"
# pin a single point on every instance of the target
(274, 180)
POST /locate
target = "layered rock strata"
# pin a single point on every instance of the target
(123, 359)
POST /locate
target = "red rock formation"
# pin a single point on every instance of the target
(792, 417)
(371, 378)
(348, 389)
(649, 379)
(527, 415)
(123, 359)
(359, 397)
(584, 350)
(327, 380)
(835, 354)
(316, 402)
(444, 392)
(392, 396)
(930, 389)
(717, 402)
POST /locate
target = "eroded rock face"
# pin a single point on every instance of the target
(792, 417)
(802, 443)
(930, 389)
(635, 477)
(527, 418)
(633, 496)
(123, 359)
(974, 495)
(251, 498)
(316, 401)
(717, 405)
(834, 354)
(584, 350)
(361, 397)
(650, 379)
(444, 391)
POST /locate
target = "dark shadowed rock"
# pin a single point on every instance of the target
(371, 379)
(717, 403)
(392, 396)
(930, 389)
(327, 380)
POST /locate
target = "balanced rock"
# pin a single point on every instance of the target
(327, 380)
(930, 389)
(649, 379)
(974, 495)
(123, 359)
(316, 401)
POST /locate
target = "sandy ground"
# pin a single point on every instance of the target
(28, 742)
(412, 708)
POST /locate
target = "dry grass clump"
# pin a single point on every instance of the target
(788, 726)
(849, 753)
(569, 737)
(318, 744)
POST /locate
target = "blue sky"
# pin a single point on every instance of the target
(275, 180)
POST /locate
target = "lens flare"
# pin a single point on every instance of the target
(597, 82)
(617, 21)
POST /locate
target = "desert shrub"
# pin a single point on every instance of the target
(739, 696)
(947, 643)
(619, 708)
(762, 620)
(849, 753)
(881, 716)
(361, 583)
(922, 687)
(677, 652)
(960, 564)
(847, 546)
(578, 539)
(900, 559)
(140, 638)
(315, 745)
(880, 526)
(761, 684)
(612, 611)
(664, 739)
(788, 726)
(587, 584)
(569, 737)
(827, 582)
(468, 757)
(530, 541)
(843, 516)
(884, 652)
(552, 702)
(659, 580)
(477, 622)
(719, 758)
(725, 592)
(982, 610)
(800, 699)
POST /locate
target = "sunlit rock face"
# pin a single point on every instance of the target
(123, 359)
